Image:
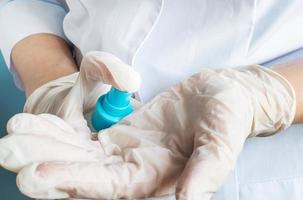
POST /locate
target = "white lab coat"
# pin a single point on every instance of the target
(167, 41)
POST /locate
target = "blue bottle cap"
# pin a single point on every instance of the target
(111, 108)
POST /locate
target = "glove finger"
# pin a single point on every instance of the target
(43, 137)
(26, 122)
(50, 126)
(206, 170)
(19, 150)
(131, 176)
(219, 135)
(107, 68)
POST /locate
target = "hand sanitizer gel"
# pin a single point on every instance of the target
(111, 108)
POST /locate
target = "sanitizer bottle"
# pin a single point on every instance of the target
(111, 108)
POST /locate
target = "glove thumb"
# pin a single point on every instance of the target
(98, 71)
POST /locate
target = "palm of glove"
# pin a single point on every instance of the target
(196, 129)
(190, 136)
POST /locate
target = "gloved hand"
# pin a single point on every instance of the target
(188, 138)
(53, 127)
(72, 96)
(196, 129)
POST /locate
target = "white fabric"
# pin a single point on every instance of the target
(245, 32)
(117, 27)
(214, 34)
(291, 56)
(202, 28)
(268, 168)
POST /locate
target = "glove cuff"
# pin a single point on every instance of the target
(42, 98)
(280, 98)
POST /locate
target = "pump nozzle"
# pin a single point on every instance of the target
(111, 108)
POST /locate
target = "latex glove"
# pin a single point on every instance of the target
(72, 96)
(192, 134)
(65, 136)
(187, 139)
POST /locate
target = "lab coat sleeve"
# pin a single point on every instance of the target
(22, 18)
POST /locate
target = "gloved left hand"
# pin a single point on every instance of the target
(53, 127)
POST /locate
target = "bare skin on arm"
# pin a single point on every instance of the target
(41, 58)
(293, 72)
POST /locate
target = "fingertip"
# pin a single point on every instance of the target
(16, 122)
(133, 85)
(5, 155)
(111, 70)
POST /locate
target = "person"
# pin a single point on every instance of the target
(188, 136)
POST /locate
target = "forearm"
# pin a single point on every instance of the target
(293, 72)
(41, 58)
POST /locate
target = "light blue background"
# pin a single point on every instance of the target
(11, 102)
